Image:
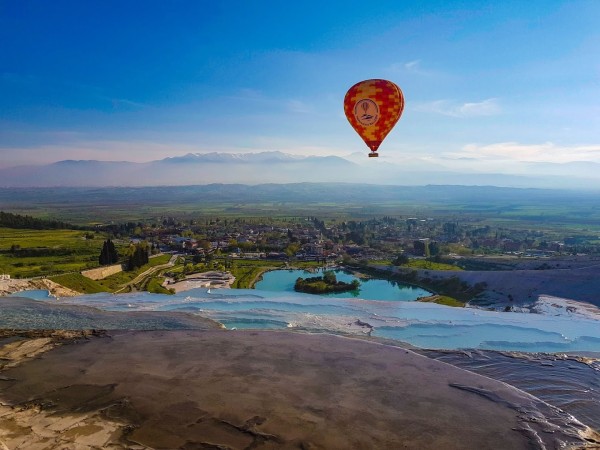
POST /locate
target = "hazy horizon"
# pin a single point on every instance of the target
(283, 168)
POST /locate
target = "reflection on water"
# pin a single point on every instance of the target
(370, 289)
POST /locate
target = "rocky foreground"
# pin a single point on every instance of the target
(8, 287)
(201, 389)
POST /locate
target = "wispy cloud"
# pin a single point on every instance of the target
(298, 106)
(414, 67)
(123, 103)
(488, 107)
(546, 152)
(248, 95)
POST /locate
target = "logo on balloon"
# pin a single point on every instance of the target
(366, 112)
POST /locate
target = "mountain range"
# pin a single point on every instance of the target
(279, 167)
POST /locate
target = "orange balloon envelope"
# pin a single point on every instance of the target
(373, 107)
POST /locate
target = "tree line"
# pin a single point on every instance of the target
(10, 220)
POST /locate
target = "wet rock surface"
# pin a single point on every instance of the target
(261, 389)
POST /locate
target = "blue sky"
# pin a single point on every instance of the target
(486, 83)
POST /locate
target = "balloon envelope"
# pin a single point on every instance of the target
(373, 107)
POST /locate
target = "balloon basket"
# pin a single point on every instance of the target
(373, 155)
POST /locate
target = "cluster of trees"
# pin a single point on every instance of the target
(108, 254)
(401, 260)
(123, 229)
(325, 284)
(138, 256)
(10, 220)
(426, 248)
(35, 252)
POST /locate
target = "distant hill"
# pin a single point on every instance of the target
(278, 167)
(250, 168)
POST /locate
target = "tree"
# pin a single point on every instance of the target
(108, 254)
(204, 244)
(421, 247)
(329, 277)
(138, 256)
(292, 249)
(400, 260)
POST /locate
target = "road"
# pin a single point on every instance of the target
(148, 273)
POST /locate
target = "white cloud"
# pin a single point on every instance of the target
(488, 107)
(546, 152)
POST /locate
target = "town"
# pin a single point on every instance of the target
(314, 239)
(169, 253)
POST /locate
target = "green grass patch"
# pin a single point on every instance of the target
(429, 265)
(443, 300)
(246, 273)
(158, 260)
(79, 283)
(306, 264)
(380, 262)
(154, 286)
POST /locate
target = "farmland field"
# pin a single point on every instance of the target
(30, 253)
(513, 207)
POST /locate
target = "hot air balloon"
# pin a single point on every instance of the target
(373, 107)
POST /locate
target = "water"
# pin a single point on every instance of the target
(561, 381)
(567, 382)
(493, 336)
(370, 289)
(35, 294)
(424, 325)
